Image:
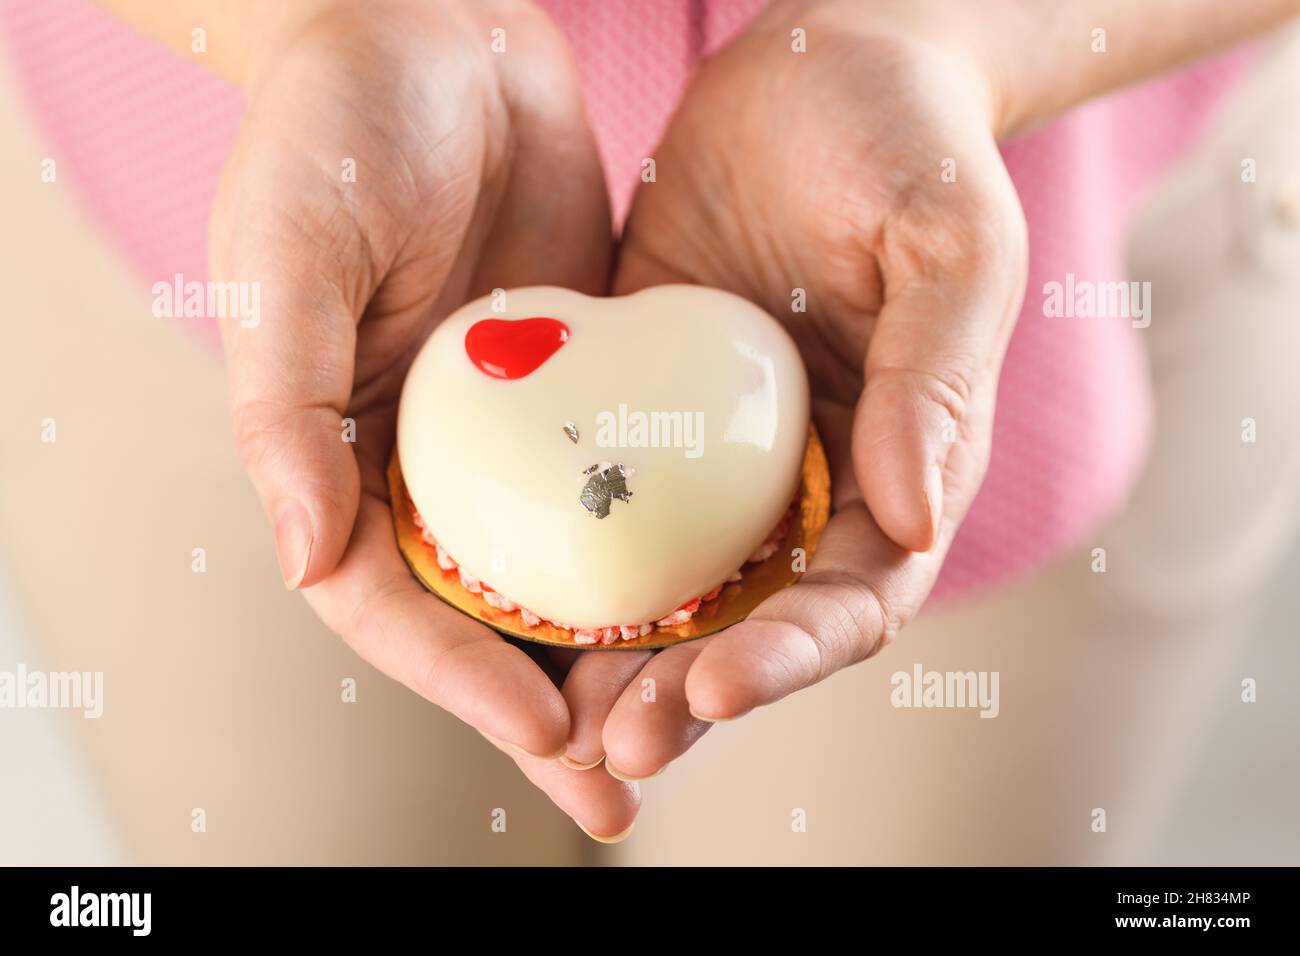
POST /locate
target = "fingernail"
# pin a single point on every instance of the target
(503, 744)
(528, 753)
(293, 539)
(616, 838)
(718, 720)
(628, 778)
(934, 499)
(574, 765)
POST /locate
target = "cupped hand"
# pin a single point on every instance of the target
(855, 191)
(391, 166)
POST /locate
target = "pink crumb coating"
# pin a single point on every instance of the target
(598, 635)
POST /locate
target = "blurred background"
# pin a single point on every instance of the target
(1120, 690)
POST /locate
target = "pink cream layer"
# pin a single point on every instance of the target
(599, 635)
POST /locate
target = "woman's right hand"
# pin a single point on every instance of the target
(474, 169)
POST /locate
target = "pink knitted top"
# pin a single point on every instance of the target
(143, 134)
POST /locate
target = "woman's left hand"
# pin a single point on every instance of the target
(862, 177)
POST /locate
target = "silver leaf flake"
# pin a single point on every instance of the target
(605, 482)
(571, 430)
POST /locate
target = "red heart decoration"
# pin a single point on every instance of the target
(513, 348)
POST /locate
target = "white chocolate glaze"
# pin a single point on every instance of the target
(491, 470)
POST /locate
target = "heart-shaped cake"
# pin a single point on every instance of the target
(604, 465)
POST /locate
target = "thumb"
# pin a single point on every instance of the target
(290, 370)
(930, 383)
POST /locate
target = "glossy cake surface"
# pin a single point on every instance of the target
(602, 461)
